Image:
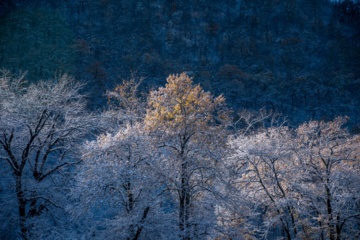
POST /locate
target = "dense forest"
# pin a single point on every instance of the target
(300, 58)
(179, 119)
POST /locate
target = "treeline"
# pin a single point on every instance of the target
(170, 165)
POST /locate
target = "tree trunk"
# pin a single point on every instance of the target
(138, 232)
(184, 211)
(332, 230)
(130, 196)
(338, 227)
(21, 206)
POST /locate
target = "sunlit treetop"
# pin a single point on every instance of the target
(181, 104)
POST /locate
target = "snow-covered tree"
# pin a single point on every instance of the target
(303, 182)
(118, 184)
(188, 125)
(40, 127)
(263, 169)
(327, 179)
(118, 189)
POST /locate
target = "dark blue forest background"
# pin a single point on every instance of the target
(300, 58)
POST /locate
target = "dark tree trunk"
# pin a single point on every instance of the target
(21, 206)
(332, 230)
(138, 232)
(184, 211)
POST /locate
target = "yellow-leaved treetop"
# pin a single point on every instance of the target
(181, 104)
(189, 124)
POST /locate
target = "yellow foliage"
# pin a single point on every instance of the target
(182, 104)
